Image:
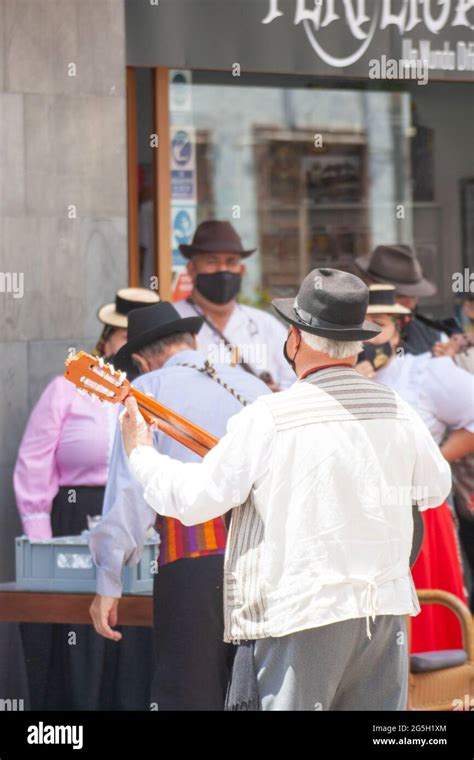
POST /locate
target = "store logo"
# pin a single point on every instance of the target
(362, 18)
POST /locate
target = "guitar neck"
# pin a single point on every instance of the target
(173, 424)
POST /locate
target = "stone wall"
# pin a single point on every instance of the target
(62, 201)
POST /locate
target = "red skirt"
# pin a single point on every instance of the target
(438, 566)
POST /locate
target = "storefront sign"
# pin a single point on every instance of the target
(183, 222)
(180, 91)
(364, 19)
(182, 285)
(313, 37)
(183, 164)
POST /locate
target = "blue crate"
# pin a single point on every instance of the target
(65, 564)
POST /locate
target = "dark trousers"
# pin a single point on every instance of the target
(192, 661)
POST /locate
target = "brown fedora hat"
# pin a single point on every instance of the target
(396, 265)
(215, 237)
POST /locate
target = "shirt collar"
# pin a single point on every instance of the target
(313, 370)
(188, 355)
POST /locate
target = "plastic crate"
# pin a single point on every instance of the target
(65, 564)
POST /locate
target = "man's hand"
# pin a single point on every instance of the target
(104, 613)
(135, 431)
(365, 368)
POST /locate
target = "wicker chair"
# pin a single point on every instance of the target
(448, 684)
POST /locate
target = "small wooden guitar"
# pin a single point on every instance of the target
(93, 376)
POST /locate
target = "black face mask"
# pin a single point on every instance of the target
(219, 287)
(291, 362)
(376, 355)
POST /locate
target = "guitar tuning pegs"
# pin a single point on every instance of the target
(101, 362)
(112, 368)
(81, 391)
(122, 377)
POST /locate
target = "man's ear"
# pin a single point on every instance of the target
(296, 335)
(243, 269)
(142, 363)
(195, 345)
(191, 269)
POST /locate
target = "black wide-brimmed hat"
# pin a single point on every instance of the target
(215, 237)
(396, 265)
(148, 324)
(127, 299)
(330, 303)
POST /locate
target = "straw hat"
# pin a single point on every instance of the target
(382, 300)
(116, 314)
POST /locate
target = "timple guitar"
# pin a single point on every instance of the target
(92, 375)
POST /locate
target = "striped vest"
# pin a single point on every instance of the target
(329, 395)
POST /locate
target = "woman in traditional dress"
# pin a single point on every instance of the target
(59, 481)
(442, 394)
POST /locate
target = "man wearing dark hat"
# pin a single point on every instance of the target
(114, 317)
(399, 266)
(317, 571)
(192, 660)
(231, 331)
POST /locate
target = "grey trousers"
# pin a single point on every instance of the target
(335, 667)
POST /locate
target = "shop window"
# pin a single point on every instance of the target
(311, 177)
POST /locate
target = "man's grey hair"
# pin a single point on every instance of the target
(336, 349)
(158, 346)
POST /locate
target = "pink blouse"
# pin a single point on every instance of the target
(67, 442)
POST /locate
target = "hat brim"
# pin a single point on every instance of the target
(364, 331)
(189, 250)
(109, 315)
(422, 288)
(395, 308)
(187, 324)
